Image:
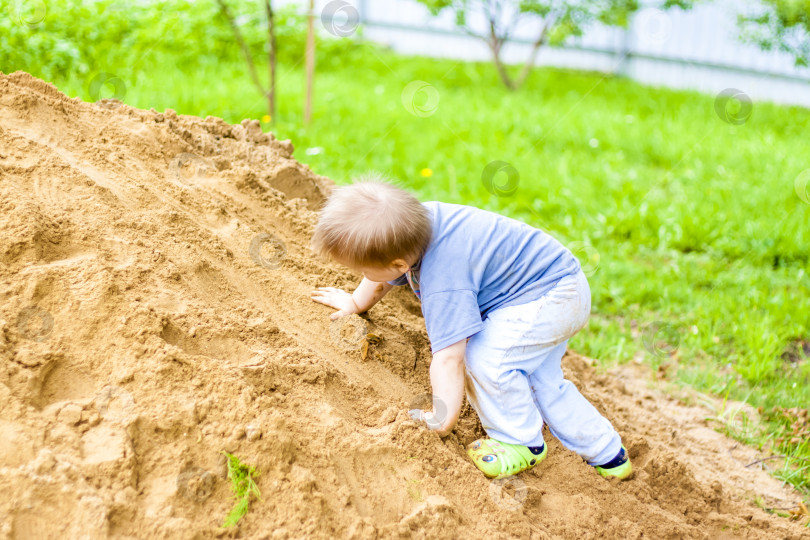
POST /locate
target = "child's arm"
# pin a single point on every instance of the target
(365, 295)
(447, 381)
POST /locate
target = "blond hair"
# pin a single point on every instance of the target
(371, 222)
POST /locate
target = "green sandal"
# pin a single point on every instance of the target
(622, 470)
(499, 459)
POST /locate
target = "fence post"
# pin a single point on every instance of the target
(624, 51)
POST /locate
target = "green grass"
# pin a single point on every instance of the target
(692, 230)
(243, 486)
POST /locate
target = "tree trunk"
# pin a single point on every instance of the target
(527, 67)
(495, 42)
(310, 61)
(271, 36)
(502, 73)
(242, 45)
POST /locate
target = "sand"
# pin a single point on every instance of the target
(155, 273)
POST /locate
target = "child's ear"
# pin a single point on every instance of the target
(401, 265)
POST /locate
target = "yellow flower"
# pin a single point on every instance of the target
(266, 118)
(427, 173)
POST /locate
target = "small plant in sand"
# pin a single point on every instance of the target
(243, 486)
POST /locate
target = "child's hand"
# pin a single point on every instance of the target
(340, 300)
(427, 417)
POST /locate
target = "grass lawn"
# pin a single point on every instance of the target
(691, 229)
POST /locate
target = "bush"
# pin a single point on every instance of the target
(57, 40)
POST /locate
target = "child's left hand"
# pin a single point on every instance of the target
(427, 417)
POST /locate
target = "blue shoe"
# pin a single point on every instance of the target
(618, 467)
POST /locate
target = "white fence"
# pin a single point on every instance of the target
(697, 49)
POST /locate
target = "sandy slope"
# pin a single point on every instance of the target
(154, 310)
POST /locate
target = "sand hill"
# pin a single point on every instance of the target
(155, 274)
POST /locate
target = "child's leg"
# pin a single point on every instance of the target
(570, 417)
(517, 341)
(501, 396)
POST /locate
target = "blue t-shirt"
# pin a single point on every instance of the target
(478, 261)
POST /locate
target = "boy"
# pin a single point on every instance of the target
(500, 300)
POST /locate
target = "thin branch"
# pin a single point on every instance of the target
(271, 36)
(467, 30)
(245, 50)
(495, 43)
(776, 457)
(310, 62)
(512, 26)
(488, 15)
(764, 459)
(527, 67)
(498, 13)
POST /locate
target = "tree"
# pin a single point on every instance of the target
(310, 61)
(558, 20)
(781, 25)
(270, 92)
